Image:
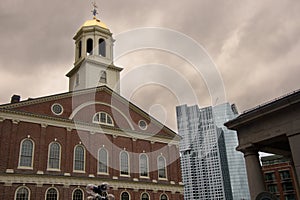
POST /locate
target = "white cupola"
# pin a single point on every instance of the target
(94, 65)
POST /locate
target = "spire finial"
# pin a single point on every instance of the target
(94, 11)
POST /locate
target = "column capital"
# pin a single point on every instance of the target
(249, 149)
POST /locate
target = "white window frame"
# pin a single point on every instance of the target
(20, 187)
(146, 194)
(32, 154)
(84, 159)
(107, 161)
(124, 192)
(57, 192)
(147, 160)
(128, 161)
(106, 117)
(74, 192)
(165, 166)
(59, 161)
(165, 195)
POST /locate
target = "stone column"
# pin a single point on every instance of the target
(295, 150)
(254, 172)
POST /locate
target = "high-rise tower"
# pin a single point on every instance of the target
(211, 167)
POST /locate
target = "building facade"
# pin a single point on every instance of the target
(211, 168)
(272, 127)
(279, 177)
(52, 147)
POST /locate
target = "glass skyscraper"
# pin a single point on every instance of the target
(211, 167)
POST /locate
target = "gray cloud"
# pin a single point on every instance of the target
(255, 45)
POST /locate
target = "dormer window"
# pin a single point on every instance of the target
(103, 118)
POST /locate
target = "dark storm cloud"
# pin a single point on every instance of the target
(255, 44)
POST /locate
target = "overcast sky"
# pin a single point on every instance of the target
(254, 44)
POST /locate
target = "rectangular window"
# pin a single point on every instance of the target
(270, 176)
(285, 175)
(272, 188)
(288, 186)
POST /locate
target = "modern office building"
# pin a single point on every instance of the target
(211, 167)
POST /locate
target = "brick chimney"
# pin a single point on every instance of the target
(15, 98)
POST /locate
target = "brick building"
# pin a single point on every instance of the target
(279, 177)
(52, 147)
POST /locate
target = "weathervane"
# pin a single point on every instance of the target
(95, 11)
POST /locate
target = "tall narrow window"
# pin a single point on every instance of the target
(77, 194)
(102, 47)
(79, 49)
(89, 47)
(161, 162)
(145, 196)
(26, 153)
(79, 158)
(125, 196)
(54, 156)
(103, 161)
(103, 77)
(124, 163)
(163, 197)
(144, 165)
(22, 193)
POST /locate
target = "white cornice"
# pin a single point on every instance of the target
(95, 128)
(9, 179)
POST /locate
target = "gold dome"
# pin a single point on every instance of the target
(94, 22)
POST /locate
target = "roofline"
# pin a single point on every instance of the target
(264, 109)
(85, 91)
(21, 116)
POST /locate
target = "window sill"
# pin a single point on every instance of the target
(53, 170)
(124, 175)
(79, 172)
(28, 168)
(145, 177)
(102, 173)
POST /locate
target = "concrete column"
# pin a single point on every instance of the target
(254, 172)
(295, 150)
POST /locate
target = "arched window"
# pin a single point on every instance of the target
(102, 47)
(77, 194)
(125, 196)
(54, 156)
(103, 161)
(124, 163)
(79, 49)
(161, 164)
(26, 153)
(22, 193)
(89, 47)
(103, 118)
(163, 197)
(144, 165)
(145, 196)
(79, 158)
(51, 194)
(103, 77)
